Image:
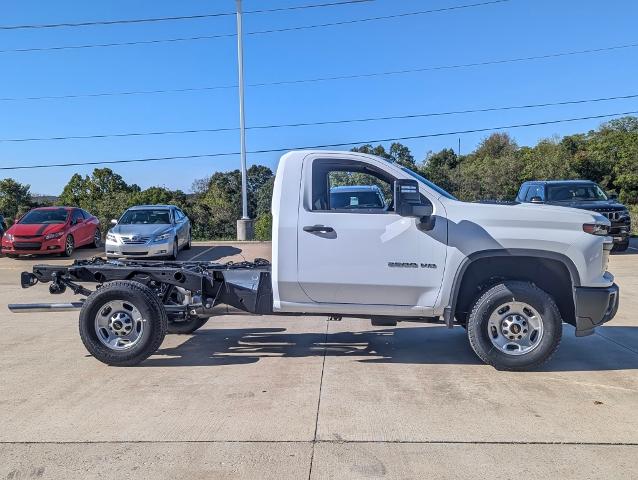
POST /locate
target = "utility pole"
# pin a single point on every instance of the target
(245, 224)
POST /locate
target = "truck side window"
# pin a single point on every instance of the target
(535, 191)
(350, 187)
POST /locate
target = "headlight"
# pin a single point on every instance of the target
(163, 236)
(111, 237)
(596, 229)
(8, 236)
(51, 236)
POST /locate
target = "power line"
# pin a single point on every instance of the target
(260, 32)
(318, 123)
(334, 77)
(175, 18)
(313, 147)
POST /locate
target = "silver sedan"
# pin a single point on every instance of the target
(149, 231)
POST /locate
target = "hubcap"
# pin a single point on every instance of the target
(515, 328)
(119, 325)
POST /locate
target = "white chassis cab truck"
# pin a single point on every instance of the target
(509, 274)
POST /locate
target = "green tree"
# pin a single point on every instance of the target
(440, 168)
(15, 199)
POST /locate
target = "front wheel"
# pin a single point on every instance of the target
(514, 326)
(175, 252)
(620, 247)
(122, 323)
(69, 246)
(189, 242)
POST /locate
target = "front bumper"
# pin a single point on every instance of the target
(151, 249)
(620, 231)
(32, 246)
(594, 306)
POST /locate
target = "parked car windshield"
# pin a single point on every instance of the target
(58, 215)
(136, 217)
(364, 199)
(433, 186)
(580, 192)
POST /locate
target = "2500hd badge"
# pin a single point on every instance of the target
(410, 265)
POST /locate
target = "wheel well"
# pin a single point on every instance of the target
(550, 275)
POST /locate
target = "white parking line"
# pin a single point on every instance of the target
(201, 253)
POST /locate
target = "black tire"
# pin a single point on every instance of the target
(189, 243)
(189, 326)
(500, 294)
(69, 246)
(620, 247)
(97, 238)
(149, 306)
(175, 253)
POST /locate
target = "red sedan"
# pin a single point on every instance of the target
(51, 230)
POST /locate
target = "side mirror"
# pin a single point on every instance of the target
(536, 199)
(613, 196)
(407, 200)
(113, 222)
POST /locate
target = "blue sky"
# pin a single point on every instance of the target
(517, 28)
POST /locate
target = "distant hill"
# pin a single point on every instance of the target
(44, 199)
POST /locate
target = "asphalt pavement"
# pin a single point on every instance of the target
(303, 397)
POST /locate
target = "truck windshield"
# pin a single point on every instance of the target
(131, 217)
(35, 217)
(433, 186)
(580, 192)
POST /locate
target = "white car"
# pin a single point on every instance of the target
(149, 231)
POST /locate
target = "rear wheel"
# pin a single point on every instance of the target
(186, 327)
(69, 246)
(122, 323)
(514, 326)
(97, 238)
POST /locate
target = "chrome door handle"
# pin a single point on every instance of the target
(318, 228)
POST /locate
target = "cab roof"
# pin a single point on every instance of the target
(556, 182)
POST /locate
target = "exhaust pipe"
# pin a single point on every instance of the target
(44, 307)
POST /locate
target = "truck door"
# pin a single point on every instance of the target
(353, 249)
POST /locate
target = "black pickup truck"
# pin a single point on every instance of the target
(583, 194)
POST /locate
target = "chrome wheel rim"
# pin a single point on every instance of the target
(515, 328)
(69, 245)
(97, 237)
(119, 325)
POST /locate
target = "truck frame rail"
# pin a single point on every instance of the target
(186, 288)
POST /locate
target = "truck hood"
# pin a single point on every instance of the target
(146, 230)
(480, 226)
(35, 229)
(606, 205)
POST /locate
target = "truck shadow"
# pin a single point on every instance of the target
(434, 345)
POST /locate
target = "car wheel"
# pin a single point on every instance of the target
(97, 238)
(189, 242)
(187, 326)
(122, 323)
(173, 255)
(620, 247)
(69, 246)
(514, 326)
